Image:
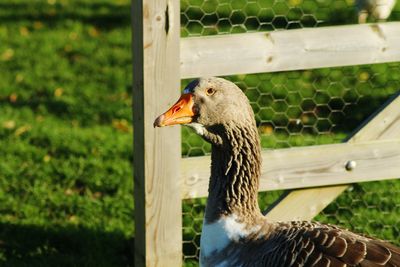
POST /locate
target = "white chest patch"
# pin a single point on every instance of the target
(197, 127)
(216, 236)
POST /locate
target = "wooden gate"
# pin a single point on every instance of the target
(315, 175)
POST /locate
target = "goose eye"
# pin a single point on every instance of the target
(210, 91)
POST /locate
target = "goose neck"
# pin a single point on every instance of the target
(235, 172)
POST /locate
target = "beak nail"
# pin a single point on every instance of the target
(157, 122)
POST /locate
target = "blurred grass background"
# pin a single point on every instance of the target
(66, 131)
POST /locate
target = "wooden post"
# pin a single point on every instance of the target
(156, 82)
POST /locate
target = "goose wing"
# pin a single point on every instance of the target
(320, 245)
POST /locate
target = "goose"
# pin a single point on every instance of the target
(235, 233)
(379, 9)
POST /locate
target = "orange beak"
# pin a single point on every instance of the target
(180, 113)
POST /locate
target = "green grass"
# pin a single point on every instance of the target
(66, 136)
(66, 139)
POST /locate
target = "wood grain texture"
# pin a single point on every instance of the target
(316, 200)
(383, 125)
(158, 227)
(311, 166)
(290, 50)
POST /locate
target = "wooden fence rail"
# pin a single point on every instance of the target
(307, 166)
(290, 50)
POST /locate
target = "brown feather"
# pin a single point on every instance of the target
(355, 253)
(377, 253)
(395, 259)
(367, 263)
(337, 249)
(335, 262)
(322, 238)
(323, 262)
(314, 258)
(332, 237)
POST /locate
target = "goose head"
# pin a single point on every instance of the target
(209, 105)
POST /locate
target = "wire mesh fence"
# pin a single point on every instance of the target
(301, 108)
(209, 17)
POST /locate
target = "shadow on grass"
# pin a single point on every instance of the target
(29, 245)
(103, 15)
